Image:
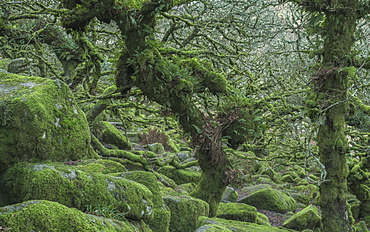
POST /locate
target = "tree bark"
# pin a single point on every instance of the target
(331, 88)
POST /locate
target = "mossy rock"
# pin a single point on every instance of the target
(300, 171)
(263, 179)
(293, 174)
(107, 133)
(157, 148)
(212, 228)
(72, 187)
(272, 174)
(185, 211)
(300, 198)
(42, 215)
(165, 182)
(238, 226)
(237, 211)
(183, 156)
(103, 166)
(307, 218)
(229, 195)
(287, 178)
(39, 121)
(185, 188)
(300, 181)
(248, 190)
(262, 219)
(272, 200)
(162, 214)
(180, 176)
(310, 190)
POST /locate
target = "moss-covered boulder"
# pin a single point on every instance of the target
(162, 214)
(108, 134)
(287, 178)
(39, 121)
(41, 215)
(185, 211)
(299, 197)
(307, 218)
(238, 226)
(180, 176)
(248, 190)
(262, 219)
(155, 147)
(271, 199)
(310, 190)
(229, 195)
(212, 228)
(237, 211)
(272, 174)
(72, 187)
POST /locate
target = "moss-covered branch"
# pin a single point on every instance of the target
(105, 152)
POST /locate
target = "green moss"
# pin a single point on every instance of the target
(238, 226)
(155, 148)
(230, 195)
(212, 228)
(40, 122)
(253, 188)
(311, 103)
(75, 188)
(271, 174)
(237, 211)
(271, 199)
(307, 218)
(180, 176)
(41, 215)
(107, 133)
(360, 227)
(146, 178)
(287, 178)
(162, 215)
(215, 82)
(185, 188)
(355, 208)
(185, 211)
(101, 166)
(300, 197)
(310, 190)
(262, 219)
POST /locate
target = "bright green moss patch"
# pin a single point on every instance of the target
(262, 219)
(44, 215)
(185, 211)
(237, 211)
(308, 218)
(103, 166)
(109, 134)
(271, 199)
(180, 176)
(75, 188)
(238, 226)
(40, 122)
